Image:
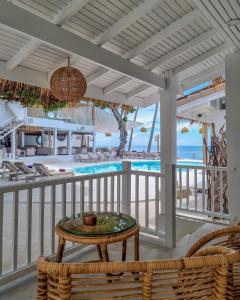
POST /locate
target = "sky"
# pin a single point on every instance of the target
(145, 116)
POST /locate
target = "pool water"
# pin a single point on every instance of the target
(146, 165)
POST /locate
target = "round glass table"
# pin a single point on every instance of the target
(109, 228)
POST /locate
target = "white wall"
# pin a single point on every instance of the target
(31, 140)
(5, 112)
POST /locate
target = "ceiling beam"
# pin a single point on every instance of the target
(71, 9)
(180, 50)
(127, 20)
(138, 90)
(116, 84)
(23, 53)
(93, 77)
(201, 58)
(164, 33)
(204, 76)
(36, 27)
(40, 79)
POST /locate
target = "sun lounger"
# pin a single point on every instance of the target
(84, 157)
(102, 157)
(111, 156)
(44, 172)
(30, 173)
(94, 156)
(10, 169)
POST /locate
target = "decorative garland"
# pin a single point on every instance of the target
(32, 96)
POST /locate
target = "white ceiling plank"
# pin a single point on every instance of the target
(34, 26)
(204, 76)
(185, 47)
(72, 62)
(68, 11)
(93, 77)
(201, 58)
(21, 74)
(138, 90)
(22, 54)
(180, 23)
(224, 32)
(116, 84)
(127, 20)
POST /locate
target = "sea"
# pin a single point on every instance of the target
(188, 152)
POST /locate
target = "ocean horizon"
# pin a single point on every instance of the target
(191, 152)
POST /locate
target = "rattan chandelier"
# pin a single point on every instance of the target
(108, 134)
(68, 84)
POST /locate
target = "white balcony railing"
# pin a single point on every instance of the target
(202, 191)
(29, 211)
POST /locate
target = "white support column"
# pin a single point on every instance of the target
(69, 142)
(94, 143)
(233, 126)
(168, 157)
(13, 144)
(21, 138)
(55, 141)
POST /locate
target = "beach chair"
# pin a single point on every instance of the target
(110, 156)
(84, 157)
(29, 172)
(44, 172)
(94, 156)
(102, 157)
(9, 169)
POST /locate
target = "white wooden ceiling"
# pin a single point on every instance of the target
(190, 37)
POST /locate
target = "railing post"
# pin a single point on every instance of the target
(126, 187)
(170, 205)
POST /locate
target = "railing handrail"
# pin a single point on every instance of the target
(8, 120)
(147, 173)
(55, 181)
(201, 167)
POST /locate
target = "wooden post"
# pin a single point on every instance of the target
(126, 187)
(204, 137)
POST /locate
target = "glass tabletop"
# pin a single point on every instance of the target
(107, 224)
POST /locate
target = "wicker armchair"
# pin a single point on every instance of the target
(227, 237)
(202, 277)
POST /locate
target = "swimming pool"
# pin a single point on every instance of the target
(143, 165)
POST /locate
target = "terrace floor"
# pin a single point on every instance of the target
(24, 289)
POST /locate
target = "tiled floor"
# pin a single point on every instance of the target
(24, 289)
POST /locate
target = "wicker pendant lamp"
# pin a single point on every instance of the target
(143, 129)
(184, 130)
(108, 134)
(68, 84)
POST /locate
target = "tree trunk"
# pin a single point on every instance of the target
(121, 119)
(123, 140)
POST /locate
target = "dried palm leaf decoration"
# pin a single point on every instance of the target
(68, 84)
